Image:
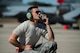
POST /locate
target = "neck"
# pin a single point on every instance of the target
(34, 22)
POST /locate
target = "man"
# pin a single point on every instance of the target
(27, 34)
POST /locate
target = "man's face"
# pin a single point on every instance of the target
(36, 13)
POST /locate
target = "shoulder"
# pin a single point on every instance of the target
(22, 26)
(24, 23)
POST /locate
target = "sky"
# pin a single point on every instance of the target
(46, 1)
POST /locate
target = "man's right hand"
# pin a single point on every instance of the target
(28, 47)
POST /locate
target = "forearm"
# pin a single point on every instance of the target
(17, 44)
(13, 40)
(50, 32)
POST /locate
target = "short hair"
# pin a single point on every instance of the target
(30, 8)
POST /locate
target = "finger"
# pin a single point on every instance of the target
(28, 49)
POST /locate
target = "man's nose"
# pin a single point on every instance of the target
(39, 13)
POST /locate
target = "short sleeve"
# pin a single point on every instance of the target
(44, 33)
(19, 30)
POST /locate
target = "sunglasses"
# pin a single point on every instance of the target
(38, 12)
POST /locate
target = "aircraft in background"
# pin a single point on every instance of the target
(19, 10)
(66, 13)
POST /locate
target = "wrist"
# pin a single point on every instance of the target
(22, 47)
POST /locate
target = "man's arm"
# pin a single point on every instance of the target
(50, 32)
(13, 40)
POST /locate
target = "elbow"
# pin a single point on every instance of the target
(10, 40)
(51, 39)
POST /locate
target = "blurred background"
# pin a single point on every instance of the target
(64, 17)
(65, 12)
